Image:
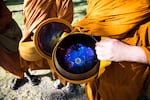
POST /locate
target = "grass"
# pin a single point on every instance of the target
(14, 2)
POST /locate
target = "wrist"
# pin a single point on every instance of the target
(136, 54)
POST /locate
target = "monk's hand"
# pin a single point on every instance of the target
(115, 50)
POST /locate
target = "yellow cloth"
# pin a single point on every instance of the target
(128, 21)
(35, 12)
(114, 17)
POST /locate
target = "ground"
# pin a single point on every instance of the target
(43, 91)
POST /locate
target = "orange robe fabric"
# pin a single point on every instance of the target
(128, 21)
(9, 61)
(36, 11)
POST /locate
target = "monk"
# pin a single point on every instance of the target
(10, 35)
(124, 28)
(35, 12)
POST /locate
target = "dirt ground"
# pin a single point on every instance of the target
(43, 91)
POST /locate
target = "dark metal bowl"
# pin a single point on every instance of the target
(75, 58)
(48, 34)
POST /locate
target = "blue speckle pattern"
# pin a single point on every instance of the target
(79, 58)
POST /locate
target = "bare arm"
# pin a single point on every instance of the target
(115, 50)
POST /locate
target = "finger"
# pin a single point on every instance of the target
(102, 43)
(99, 52)
(101, 57)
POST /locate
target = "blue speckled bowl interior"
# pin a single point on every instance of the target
(76, 53)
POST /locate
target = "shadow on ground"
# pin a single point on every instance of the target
(13, 2)
(43, 91)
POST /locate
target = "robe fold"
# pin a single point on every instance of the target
(128, 21)
(10, 35)
(35, 12)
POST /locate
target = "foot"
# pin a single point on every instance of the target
(57, 84)
(34, 80)
(16, 83)
(70, 88)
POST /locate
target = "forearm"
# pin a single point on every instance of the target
(117, 51)
(135, 54)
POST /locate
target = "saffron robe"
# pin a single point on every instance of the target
(10, 35)
(128, 21)
(36, 11)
